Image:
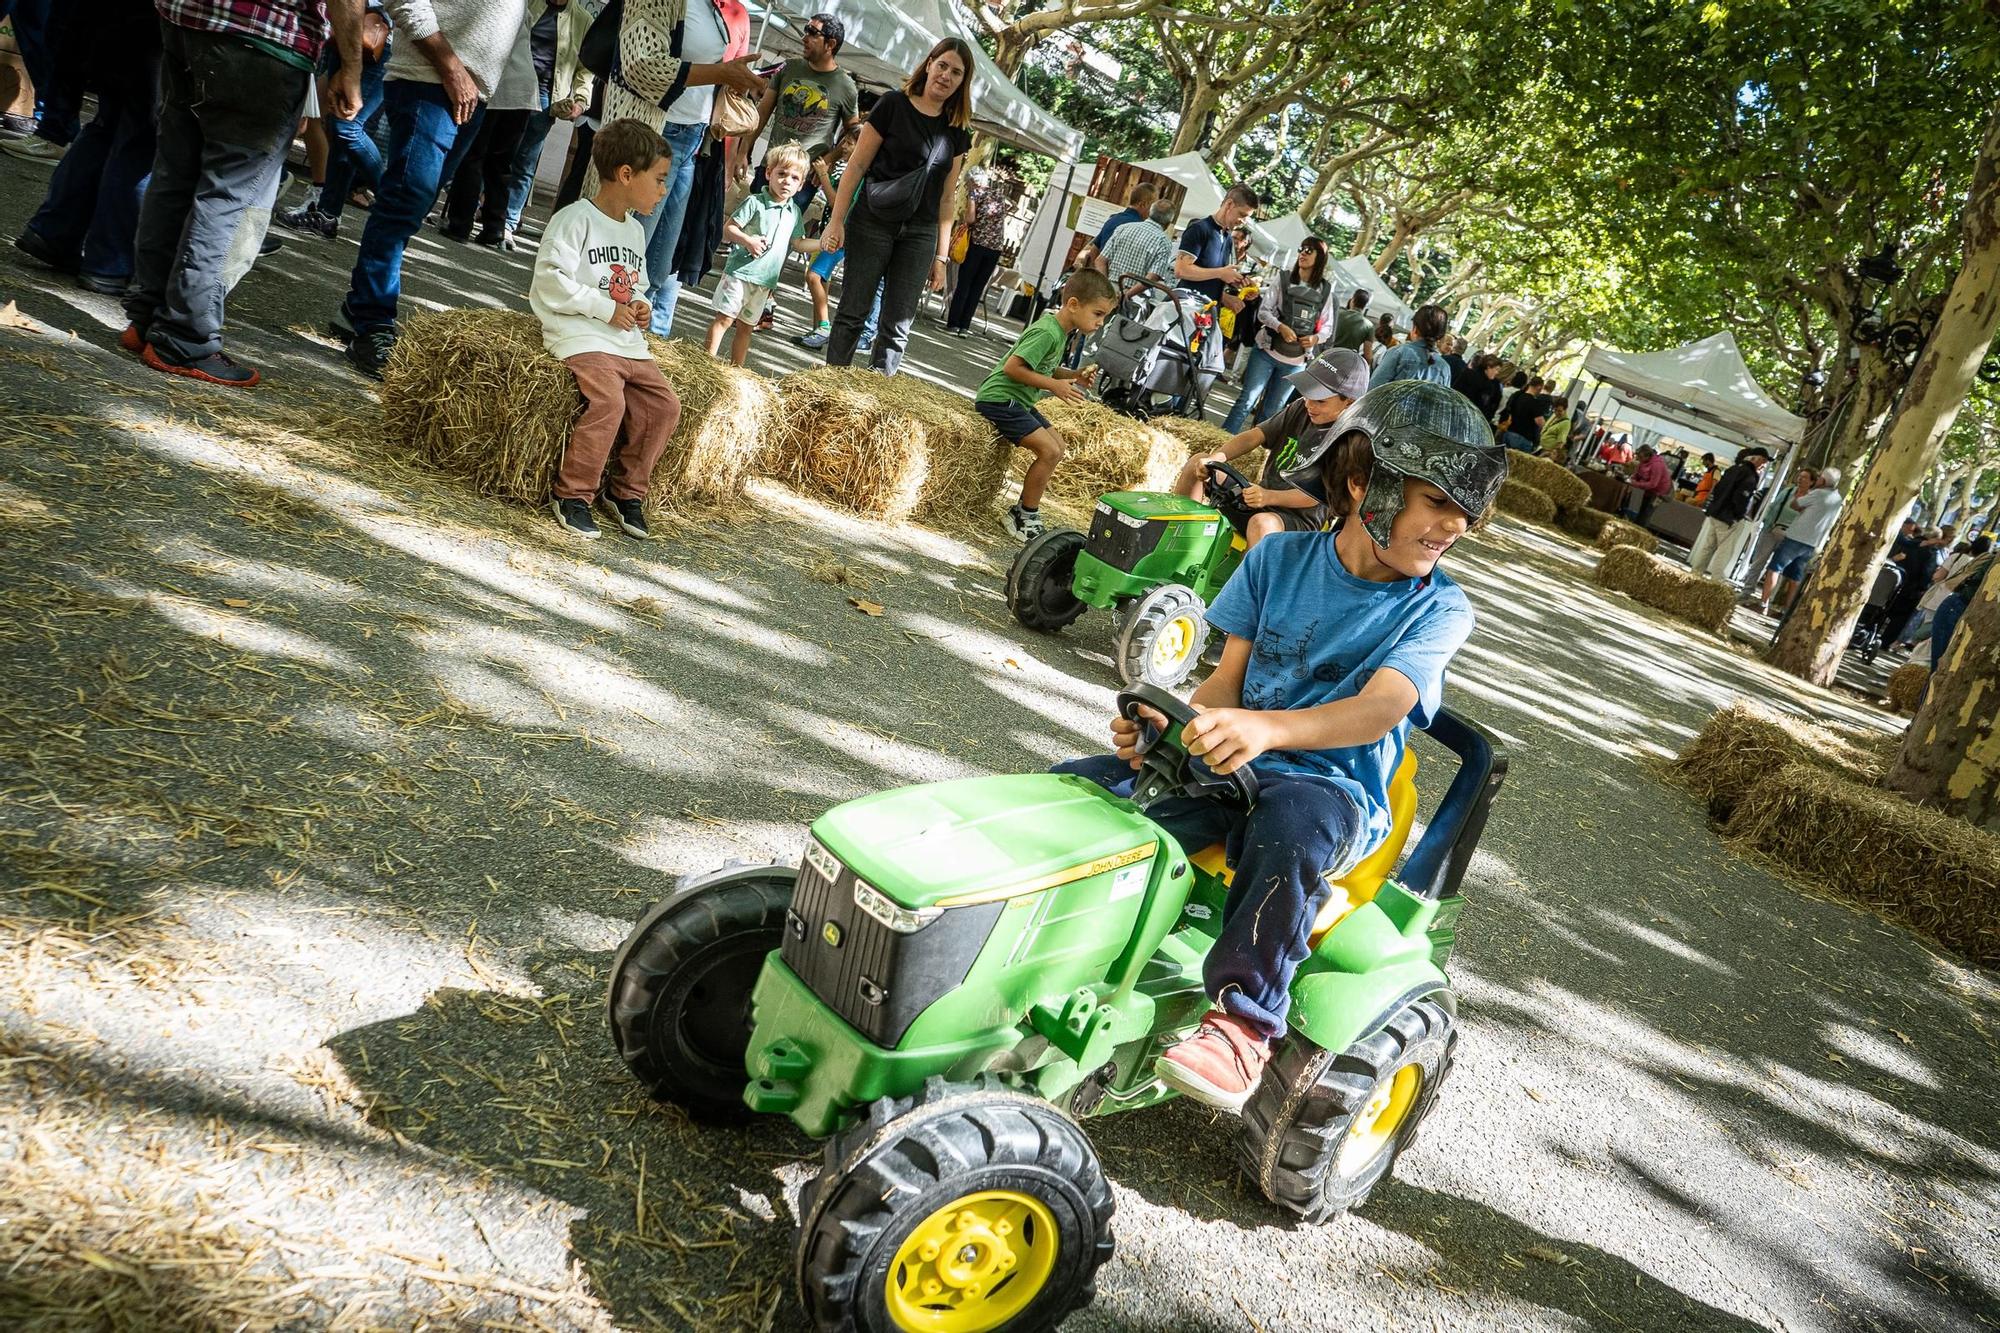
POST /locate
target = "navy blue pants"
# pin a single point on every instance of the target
(91, 212)
(1302, 830)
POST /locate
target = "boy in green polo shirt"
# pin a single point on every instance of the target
(1032, 370)
(760, 231)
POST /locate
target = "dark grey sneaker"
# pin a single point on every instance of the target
(630, 515)
(369, 352)
(574, 516)
(309, 220)
(1022, 524)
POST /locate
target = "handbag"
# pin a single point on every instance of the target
(898, 198)
(961, 237)
(734, 114)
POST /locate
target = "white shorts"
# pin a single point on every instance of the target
(739, 299)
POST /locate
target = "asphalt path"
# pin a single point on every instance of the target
(327, 788)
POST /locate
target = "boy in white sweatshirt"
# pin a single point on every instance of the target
(589, 273)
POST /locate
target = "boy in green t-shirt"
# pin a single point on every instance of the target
(1033, 368)
(761, 232)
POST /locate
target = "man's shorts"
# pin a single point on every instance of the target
(1788, 561)
(1014, 422)
(740, 300)
(826, 261)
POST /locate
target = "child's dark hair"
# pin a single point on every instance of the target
(627, 143)
(1352, 458)
(1087, 285)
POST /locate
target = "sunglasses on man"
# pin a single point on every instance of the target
(814, 30)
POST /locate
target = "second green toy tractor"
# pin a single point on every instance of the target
(1153, 559)
(958, 973)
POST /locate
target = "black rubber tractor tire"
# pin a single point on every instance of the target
(681, 985)
(912, 1158)
(1039, 581)
(1144, 621)
(1300, 1117)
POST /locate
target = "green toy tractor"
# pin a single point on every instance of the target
(959, 972)
(1154, 560)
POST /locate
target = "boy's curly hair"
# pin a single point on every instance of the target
(1352, 458)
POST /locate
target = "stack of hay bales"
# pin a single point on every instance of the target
(1107, 451)
(1668, 587)
(1569, 491)
(1906, 686)
(887, 446)
(1524, 501)
(1617, 532)
(1806, 797)
(474, 393)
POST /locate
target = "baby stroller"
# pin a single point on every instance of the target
(1873, 624)
(1159, 353)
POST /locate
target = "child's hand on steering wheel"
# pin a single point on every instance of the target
(1228, 738)
(1128, 735)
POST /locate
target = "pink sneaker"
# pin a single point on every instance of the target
(1219, 1065)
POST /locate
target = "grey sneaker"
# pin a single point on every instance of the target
(815, 340)
(1022, 524)
(574, 517)
(35, 149)
(309, 220)
(867, 343)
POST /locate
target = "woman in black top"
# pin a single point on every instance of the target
(1480, 382)
(896, 202)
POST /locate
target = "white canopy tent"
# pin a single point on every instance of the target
(885, 42)
(1703, 384)
(1203, 192)
(1355, 272)
(1279, 239)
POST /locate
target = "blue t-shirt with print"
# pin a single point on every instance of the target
(1318, 634)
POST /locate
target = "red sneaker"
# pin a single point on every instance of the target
(1219, 1065)
(132, 340)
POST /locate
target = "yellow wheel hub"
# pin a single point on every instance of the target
(1375, 1125)
(1175, 641)
(974, 1264)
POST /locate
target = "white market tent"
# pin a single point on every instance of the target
(885, 42)
(1703, 384)
(1355, 272)
(1280, 238)
(1203, 192)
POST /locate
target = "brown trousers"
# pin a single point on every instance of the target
(629, 414)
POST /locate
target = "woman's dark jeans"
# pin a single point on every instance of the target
(973, 275)
(897, 254)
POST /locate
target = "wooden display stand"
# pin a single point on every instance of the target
(1110, 186)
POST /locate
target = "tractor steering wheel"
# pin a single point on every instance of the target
(1225, 492)
(1168, 768)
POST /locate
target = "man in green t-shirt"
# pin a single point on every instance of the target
(1352, 328)
(1033, 369)
(815, 102)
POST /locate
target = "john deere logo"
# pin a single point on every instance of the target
(831, 934)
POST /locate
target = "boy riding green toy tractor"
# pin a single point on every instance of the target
(958, 972)
(1156, 560)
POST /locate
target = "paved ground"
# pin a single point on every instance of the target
(326, 790)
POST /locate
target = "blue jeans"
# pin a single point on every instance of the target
(354, 154)
(663, 226)
(92, 207)
(1264, 378)
(527, 158)
(425, 148)
(58, 102)
(1302, 829)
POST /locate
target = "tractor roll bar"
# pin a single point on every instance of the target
(1437, 865)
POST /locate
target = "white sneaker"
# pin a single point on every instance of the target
(1021, 524)
(34, 150)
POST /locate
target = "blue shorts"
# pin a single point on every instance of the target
(1788, 561)
(1012, 420)
(825, 262)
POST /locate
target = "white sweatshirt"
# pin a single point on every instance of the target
(588, 265)
(484, 33)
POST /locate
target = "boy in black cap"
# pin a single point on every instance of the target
(1326, 388)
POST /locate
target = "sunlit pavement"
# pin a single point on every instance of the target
(326, 789)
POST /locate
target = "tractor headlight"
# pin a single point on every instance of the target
(902, 920)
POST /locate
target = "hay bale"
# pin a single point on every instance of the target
(1585, 523)
(1668, 587)
(1906, 686)
(1108, 451)
(887, 446)
(1739, 745)
(1198, 437)
(1617, 532)
(1524, 501)
(1568, 490)
(1890, 856)
(475, 394)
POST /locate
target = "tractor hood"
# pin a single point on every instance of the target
(1158, 507)
(979, 839)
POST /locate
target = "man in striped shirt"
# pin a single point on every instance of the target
(233, 76)
(1142, 249)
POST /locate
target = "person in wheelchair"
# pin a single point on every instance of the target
(1338, 641)
(1326, 387)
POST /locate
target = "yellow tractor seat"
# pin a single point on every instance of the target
(1358, 885)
